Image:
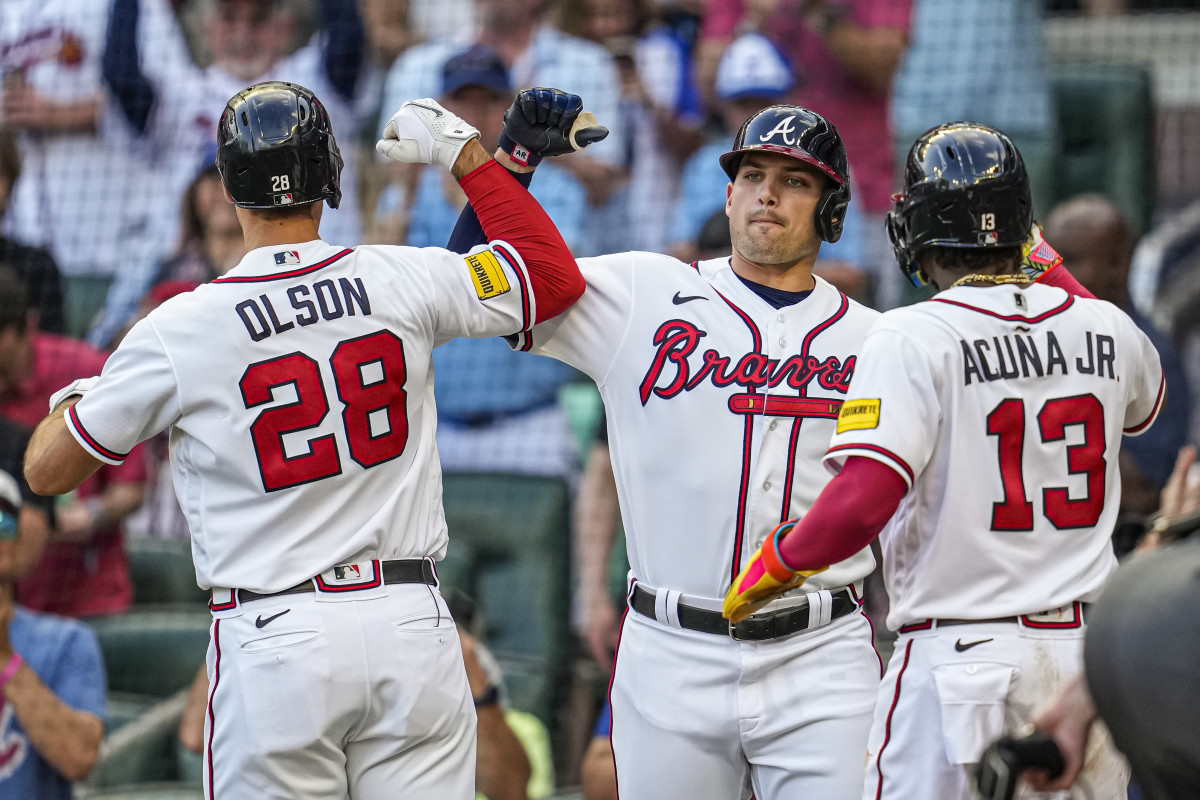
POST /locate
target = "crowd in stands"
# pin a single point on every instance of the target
(110, 204)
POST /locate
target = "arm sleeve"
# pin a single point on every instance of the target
(122, 68)
(507, 211)
(893, 412)
(344, 44)
(135, 398)
(468, 233)
(1147, 392)
(850, 511)
(1061, 277)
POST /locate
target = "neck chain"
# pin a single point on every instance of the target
(997, 279)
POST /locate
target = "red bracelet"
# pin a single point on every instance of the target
(10, 670)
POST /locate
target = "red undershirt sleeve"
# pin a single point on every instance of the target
(848, 514)
(1059, 276)
(507, 211)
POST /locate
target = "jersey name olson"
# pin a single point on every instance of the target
(303, 305)
(1022, 356)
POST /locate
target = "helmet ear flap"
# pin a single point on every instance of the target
(831, 212)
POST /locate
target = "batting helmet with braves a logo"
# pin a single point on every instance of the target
(804, 134)
(965, 185)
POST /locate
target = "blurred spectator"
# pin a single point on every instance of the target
(388, 30)
(498, 410)
(714, 240)
(34, 265)
(451, 20)
(171, 109)
(537, 55)
(597, 514)
(92, 204)
(211, 244)
(753, 74)
(84, 571)
(661, 112)
(982, 61)
(847, 52)
(1093, 237)
(599, 771)
(52, 687)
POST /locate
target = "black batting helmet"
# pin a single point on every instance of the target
(275, 148)
(804, 134)
(965, 185)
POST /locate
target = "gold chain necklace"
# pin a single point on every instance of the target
(997, 279)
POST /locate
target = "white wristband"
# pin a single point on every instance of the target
(76, 387)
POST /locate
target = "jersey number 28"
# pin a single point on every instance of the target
(1007, 423)
(368, 374)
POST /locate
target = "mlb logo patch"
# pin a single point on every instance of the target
(988, 238)
(284, 199)
(350, 577)
(520, 155)
(287, 257)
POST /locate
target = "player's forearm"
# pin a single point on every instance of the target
(54, 462)
(69, 740)
(848, 514)
(507, 211)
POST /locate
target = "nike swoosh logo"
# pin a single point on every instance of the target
(679, 299)
(962, 648)
(262, 623)
(436, 112)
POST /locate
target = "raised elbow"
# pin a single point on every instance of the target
(45, 481)
(82, 758)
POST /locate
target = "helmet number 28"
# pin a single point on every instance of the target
(368, 376)
(280, 183)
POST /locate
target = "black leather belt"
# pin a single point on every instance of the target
(406, 570)
(756, 628)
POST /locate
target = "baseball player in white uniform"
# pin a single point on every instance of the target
(722, 380)
(298, 391)
(983, 427)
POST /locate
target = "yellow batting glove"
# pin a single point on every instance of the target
(764, 578)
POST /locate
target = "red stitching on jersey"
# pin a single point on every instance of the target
(1162, 391)
(874, 448)
(212, 719)
(87, 437)
(887, 736)
(1011, 317)
(279, 276)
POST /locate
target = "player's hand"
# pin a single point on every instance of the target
(547, 122)
(1037, 256)
(1069, 721)
(764, 578)
(422, 132)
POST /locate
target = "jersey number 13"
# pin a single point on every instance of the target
(1007, 423)
(368, 375)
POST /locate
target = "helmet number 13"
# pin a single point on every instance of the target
(368, 377)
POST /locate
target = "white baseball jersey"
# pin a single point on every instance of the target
(93, 203)
(298, 389)
(1003, 410)
(719, 408)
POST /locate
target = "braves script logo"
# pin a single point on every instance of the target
(670, 373)
(13, 745)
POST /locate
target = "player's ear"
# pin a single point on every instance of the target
(225, 192)
(728, 198)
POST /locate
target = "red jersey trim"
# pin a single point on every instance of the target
(282, 276)
(1158, 403)
(100, 450)
(1011, 317)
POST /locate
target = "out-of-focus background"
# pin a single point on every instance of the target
(110, 204)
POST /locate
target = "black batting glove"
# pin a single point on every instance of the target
(539, 124)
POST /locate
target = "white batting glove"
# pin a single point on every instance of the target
(76, 387)
(422, 132)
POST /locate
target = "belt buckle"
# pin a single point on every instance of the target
(733, 632)
(750, 624)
